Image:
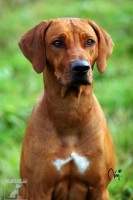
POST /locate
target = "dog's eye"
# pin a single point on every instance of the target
(58, 43)
(90, 42)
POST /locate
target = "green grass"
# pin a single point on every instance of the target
(20, 86)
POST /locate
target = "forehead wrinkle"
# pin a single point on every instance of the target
(63, 29)
(83, 27)
(75, 33)
(60, 35)
(60, 28)
(72, 29)
(86, 35)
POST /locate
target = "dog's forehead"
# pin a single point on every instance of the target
(70, 25)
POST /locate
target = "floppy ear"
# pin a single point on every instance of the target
(32, 45)
(105, 46)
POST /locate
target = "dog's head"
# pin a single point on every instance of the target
(70, 47)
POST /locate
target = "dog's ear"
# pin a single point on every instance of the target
(105, 46)
(33, 47)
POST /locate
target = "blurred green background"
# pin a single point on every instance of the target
(20, 86)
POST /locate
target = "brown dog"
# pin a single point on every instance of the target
(67, 150)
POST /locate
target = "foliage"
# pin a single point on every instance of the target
(20, 86)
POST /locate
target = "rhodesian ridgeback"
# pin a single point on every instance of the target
(67, 149)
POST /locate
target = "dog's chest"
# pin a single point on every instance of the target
(80, 162)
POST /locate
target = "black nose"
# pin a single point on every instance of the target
(80, 67)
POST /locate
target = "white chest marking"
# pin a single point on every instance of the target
(59, 163)
(81, 162)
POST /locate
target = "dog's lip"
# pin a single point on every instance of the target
(80, 81)
(75, 80)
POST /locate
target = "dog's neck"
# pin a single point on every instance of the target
(53, 88)
(73, 104)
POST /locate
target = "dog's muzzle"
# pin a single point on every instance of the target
(79, 72)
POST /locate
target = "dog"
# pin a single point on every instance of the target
(67, 149)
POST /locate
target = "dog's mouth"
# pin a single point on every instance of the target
(80, 80)
(75, 81)
(71, 79)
